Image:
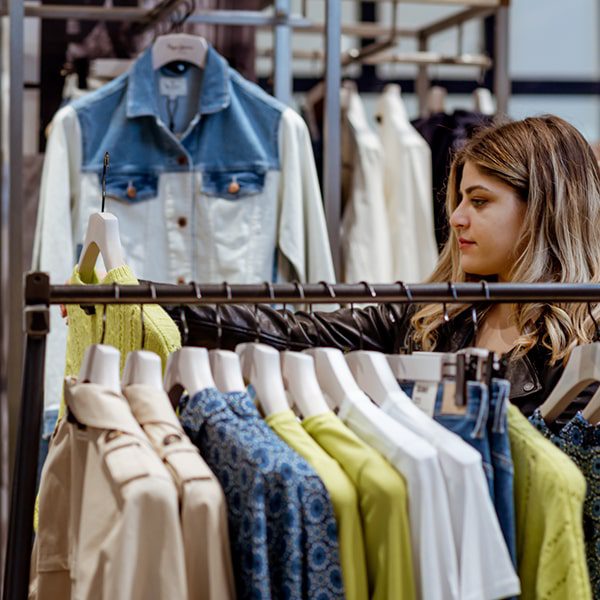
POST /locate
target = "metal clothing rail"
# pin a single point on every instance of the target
(39, 295)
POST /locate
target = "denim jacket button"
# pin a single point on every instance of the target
(234, 187)
(182, 160)
(182, 221)
(131, 191)
(528, 386)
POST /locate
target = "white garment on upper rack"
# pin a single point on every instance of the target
(365, 236)
(485, 568)
(407, 177)
(434, 555)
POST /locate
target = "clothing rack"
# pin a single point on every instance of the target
(40, 294)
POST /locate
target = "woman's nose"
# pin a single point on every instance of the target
(459, 218)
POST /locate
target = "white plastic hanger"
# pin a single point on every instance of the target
(374, 375)
(418, 366)
(300, 380)
(101, 237)
(334, 376)
(188, 369)
(226, 370)
(582, 369)
(101, 365)
(483, 101)
(181, 47)
(261, 367)
(144, 367)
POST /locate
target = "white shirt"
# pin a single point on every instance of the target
(408, 190)
(485, 567)
(365, 236)
(434, 556)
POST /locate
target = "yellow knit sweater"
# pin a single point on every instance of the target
(123, 326)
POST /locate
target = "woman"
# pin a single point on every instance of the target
(523, 202)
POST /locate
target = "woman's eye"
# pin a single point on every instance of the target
(478, 202)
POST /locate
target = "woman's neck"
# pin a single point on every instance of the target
(497, 332)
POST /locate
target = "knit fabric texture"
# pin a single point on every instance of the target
(122, 326)
(549, 496)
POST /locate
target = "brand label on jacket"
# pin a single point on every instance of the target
(173, 87)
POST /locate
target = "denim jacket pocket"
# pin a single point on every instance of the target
(233, 185)
(131, 187)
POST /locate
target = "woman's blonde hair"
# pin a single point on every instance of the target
(553, 170)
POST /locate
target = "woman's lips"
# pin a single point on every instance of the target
(463, 243)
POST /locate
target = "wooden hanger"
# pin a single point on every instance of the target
(179, 47)
(300, 380)
(582, 369)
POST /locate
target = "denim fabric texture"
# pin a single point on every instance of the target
(580, 440)
(282, 528)
(48, 425)
(483, 426)
(497, 429)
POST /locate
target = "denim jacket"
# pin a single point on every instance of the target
(232, 195)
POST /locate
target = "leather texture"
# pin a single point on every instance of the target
(383, 327)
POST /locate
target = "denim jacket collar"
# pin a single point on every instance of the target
(141, 91)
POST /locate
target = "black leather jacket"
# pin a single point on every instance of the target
(384, 327)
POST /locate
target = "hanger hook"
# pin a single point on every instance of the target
(596, 327)
(404, 288)
(369, 288)
(445, 307)
(116, 292)
(105, 165)
(486, 289)
(218, 309)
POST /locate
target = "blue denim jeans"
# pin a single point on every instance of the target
(502, 462)
(48, 424)
(483, 426)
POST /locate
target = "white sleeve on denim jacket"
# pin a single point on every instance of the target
(303, 238)
(53, 250)
(432, 540)
(408, 190)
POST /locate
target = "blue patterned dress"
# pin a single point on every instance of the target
(281, 524)
(580, 440)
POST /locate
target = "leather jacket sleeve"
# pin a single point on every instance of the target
(380, 327)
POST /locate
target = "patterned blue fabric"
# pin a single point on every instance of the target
(580, 440)
(281, 524)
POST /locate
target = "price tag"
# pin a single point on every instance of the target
(424, 395)
(173, 87)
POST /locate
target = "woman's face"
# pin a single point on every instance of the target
(487, 223)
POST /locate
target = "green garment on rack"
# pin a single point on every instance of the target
(549, 496)
(383, 501)
(123, 326)
(343, 497)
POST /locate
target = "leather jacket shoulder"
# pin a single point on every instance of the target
(384, 327)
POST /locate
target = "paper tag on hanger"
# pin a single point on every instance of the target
(449, 400)
(424, 395)
(173, 87)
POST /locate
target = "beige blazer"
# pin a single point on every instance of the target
(203, 508)
(109, 517)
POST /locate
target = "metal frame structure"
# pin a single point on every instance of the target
(39, 295)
